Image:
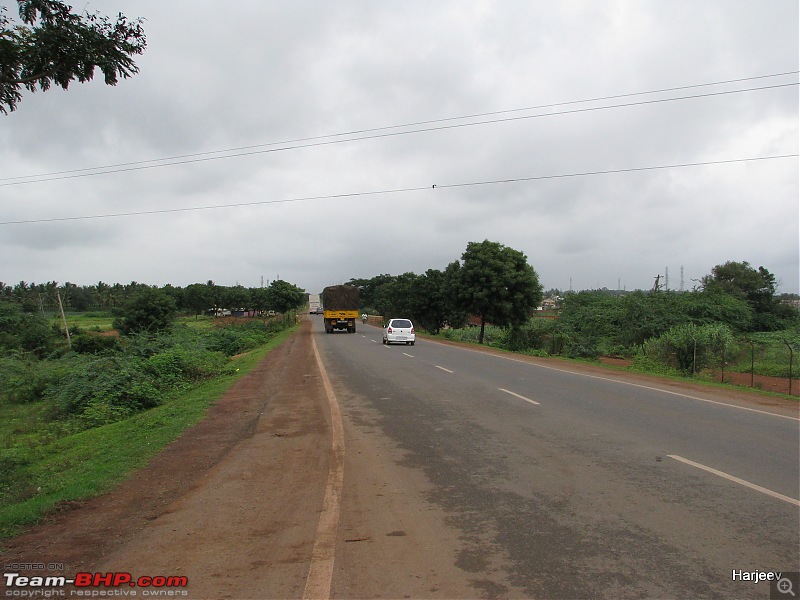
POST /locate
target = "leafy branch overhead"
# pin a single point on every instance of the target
(53, 45)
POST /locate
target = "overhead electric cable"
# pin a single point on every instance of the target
(400, 190)
(249, 150)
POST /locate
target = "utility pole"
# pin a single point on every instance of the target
(64, 318)
(657, 284)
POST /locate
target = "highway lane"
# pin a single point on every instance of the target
(579, 495)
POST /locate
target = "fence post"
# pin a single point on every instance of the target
(791, 358)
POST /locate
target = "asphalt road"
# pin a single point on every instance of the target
(568, 485)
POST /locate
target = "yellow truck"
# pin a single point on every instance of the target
(340, 308)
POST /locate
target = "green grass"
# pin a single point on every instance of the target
(102, 320)
(200, 322)
(93, 461)
(88, 321)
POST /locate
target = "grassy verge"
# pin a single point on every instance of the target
(93, 461)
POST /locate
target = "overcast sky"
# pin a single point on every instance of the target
(250, 78)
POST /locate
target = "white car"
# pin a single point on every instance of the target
(400, 331)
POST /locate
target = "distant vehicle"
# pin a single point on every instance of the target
(222, 313)
(400, 331)
(319, 310)
(314, 305)
(271, 313)
(340, 304)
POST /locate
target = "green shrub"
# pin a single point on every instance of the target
(26, 378)
(99, 380)
(93, 344)
(179, 364)
(150, 310)
(690, 348)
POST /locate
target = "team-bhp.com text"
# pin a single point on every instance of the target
(94, 585)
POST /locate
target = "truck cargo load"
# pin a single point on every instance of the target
(340, 305)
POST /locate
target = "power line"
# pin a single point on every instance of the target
(313, 141)
(400, 190)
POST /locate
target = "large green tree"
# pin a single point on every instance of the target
(497, 284)
(198, 297)
(53, 45)
(149, 310)
(757, 288)
(284, 296)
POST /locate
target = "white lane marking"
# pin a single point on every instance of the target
(443, 369)
(408, 355)
(374, 341)
(320, 572)
(620, 381)
(752, 486)
(518, 396)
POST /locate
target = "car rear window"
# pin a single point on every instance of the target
(401, 323)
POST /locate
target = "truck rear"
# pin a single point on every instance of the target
(340, 307)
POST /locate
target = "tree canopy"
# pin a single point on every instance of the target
(55, 46)
(497, 284)
(150, 310)
(754, 286)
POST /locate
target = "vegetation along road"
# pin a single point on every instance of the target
(345, 468)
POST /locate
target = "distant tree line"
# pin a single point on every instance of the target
(196, 298)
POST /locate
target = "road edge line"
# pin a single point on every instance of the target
(320, 572)
(519, 396)
(743, 482)
(620, 381)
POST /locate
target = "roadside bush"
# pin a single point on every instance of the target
(180, 364)
(150, 310)
(20, 330)
(235, 339)
(647, 364)
(533, 335)
(690, 348)
(100, 381)
(85, 343)
(25, 379)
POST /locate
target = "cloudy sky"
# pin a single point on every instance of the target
(324, 127)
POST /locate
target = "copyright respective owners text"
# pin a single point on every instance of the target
(56, 580)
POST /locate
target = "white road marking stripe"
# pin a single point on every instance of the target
(443, 369)
(752, 486)
(408, 355)
(518, 396)
(320, 572)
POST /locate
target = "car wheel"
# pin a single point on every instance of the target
(412, 343)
